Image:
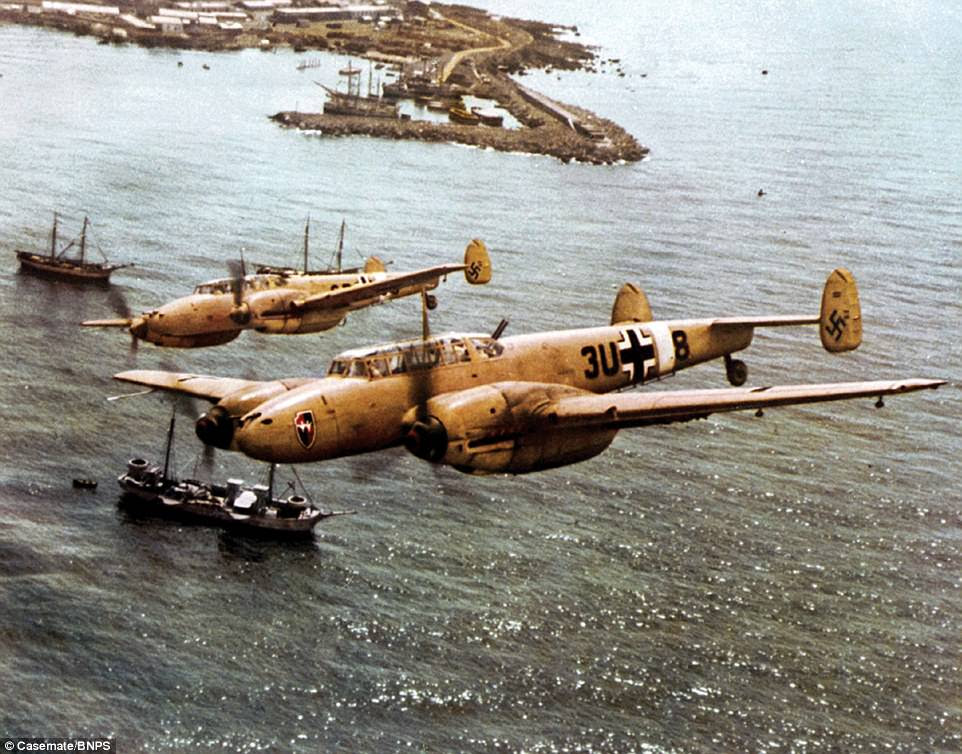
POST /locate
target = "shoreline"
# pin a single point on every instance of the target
(472, 53)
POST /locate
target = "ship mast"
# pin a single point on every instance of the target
(53, 237)
(340, 245)
(170, 443)
(307, 226)
(83, 241)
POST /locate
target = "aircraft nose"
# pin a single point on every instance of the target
(271, 438)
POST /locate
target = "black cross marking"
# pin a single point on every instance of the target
(838, 325)
(636, 353)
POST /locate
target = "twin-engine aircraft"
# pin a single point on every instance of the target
(487, 404)
(286, 301)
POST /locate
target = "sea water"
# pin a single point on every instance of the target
(788, 583)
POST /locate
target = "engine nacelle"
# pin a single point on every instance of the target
(278, 313)
(501, 428)
(216, 427)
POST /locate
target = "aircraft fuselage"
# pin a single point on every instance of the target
(363, 403)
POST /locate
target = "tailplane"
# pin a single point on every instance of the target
(631, 305)
(840, 320)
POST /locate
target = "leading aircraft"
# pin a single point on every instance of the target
(286, 301)
(491, 404)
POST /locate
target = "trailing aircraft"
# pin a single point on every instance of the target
(493, 404)
(286, 301)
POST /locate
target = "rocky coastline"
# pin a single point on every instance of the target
(469, 50)
(554, 141)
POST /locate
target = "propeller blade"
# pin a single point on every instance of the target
(236, 269)
(207, 460)
(134, 348)
(118, 303)
(241, 314)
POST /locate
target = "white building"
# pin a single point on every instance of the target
(74, 8)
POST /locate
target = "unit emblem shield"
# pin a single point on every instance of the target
(305, 427)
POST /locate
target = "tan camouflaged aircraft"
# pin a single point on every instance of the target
(486, 404)
(285, 301)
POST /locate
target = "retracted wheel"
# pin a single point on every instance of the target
(432, 302)
(736, 371)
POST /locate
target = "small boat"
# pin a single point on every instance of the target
(460, 115)
(150, 488)
(489, 116)
(75, 268)
(85, 484)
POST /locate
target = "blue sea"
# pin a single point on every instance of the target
(791, 583)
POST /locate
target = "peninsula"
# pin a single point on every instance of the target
(442, 54)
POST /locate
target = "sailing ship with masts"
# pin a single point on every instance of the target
(353, 102)
(59, 264)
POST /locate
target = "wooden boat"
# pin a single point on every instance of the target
(75, 268)
(460, 115)
(368, 107)
(150, 488)
(355, 103)
(489, 116)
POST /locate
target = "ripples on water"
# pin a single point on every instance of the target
(790, 584)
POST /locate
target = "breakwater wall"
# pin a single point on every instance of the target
(551, 139)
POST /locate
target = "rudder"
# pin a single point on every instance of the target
(477, 263)
(840, 320)
(631, 305)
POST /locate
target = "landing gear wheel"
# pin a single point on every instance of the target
(736, 371)
(432, 302)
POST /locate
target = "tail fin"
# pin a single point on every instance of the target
(840, 321)
(477, 270)
(631, 305)
(374, 264)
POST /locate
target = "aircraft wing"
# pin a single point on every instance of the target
(657, 407)
(344, 297)
(197, 385)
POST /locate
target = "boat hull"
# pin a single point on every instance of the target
(60, 268)
(166, 500)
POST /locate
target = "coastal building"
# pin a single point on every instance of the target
(264, 5)
(136, 22)
(226, 20)
(74, 8)
(318, 14)
(185, 16)
(261, 10)
(167, 24)
(204, 7)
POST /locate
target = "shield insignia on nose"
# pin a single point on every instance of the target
(305, 428)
